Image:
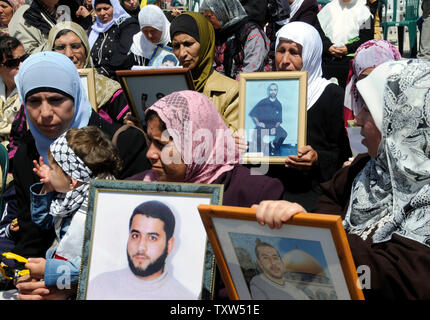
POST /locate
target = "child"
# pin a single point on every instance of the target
(60, 200)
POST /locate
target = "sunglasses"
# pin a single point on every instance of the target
(13, 63)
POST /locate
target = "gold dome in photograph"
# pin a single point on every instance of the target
(300, 261)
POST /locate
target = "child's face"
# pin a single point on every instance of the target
(59, 180)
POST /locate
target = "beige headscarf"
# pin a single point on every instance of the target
(105, 87)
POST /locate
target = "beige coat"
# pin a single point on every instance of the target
(224, 94)
(30, 37)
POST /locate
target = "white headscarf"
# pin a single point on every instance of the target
(150, 16)
(119, 14)
(310, 40)
(391, 195)
(341, 22)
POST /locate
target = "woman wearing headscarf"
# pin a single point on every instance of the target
(369, 55)
(7, 9)
(193, 43)
(202, 149)
(383, 196)
(155, 31)
(131, 6)
(298, 48)
(241, 44)
(346, 25)
(48, 116)
(111, 37)
(111, 101)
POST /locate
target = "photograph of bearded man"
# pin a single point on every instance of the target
(150, 241)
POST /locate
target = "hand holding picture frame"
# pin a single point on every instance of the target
(88, 80)
(144, 87)
(145, 240)
(272, 114)
(310, 256)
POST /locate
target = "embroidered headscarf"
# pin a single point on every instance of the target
(119, 15)
(341, 22)
(308, 37)
(150, 16)
(62, 76)
(228, 12)
(206, 38)
(391, 195)
(67, 203)
(105, 87)
(199, 134)
(370, 54)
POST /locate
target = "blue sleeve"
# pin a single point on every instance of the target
(61, 273)
(40, 204)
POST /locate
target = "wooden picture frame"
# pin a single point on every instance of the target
(108, 254)
(89, 81)
(316, 261)
(143, 87)
(274, 130)
(163, 57)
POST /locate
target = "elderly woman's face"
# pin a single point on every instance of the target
(104, 12)
(71, 45)
(152, 34)
(371, 134)
(50, 112)
(165, 159)
(186, 49)
(212, 18)
(288, 56)
(6, 13)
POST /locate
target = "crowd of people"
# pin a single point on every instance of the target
(57, 142)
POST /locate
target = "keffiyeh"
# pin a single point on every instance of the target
(66, 204)
(391, 195)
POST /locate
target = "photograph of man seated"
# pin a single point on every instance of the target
(267, 116)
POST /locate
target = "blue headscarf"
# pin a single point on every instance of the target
(119, 14)
(54, 70)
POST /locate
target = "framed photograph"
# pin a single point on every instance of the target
(272, 114)
(309, 258)
(144, 87)
(146, 241)
(163, 57)
(89, 81)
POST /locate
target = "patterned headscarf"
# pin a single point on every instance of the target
(119, 14)
(67, 203)
(189, 116)
(370, 54)
(62, 76)
(206, 39)
(307, 36)
(150, 16)
(391, 195)
(228, 12)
